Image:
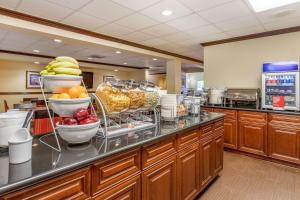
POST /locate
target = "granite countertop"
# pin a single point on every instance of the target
(47, 163)
(247, 107)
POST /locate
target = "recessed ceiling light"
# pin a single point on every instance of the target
(260, 5)
(150, 67)
(116, 70)
(118, 52)
(36, 62)
(167, 12)
(57, 40)
(89, 58)
(154, 58)
(125, 63)
(36, 51)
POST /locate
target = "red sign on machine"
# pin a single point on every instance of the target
(278, 101)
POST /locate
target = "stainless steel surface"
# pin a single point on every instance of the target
(47, 162)
(242, 95)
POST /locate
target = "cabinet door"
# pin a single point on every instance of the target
(75, 185)
(128, 190)
(207, 157)
(159, 181)
(218, 145)
(253, 137)
(284, 142)
(230, 133)
(188, 172)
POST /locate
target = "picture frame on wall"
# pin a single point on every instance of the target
(108, 78)
(32, 80)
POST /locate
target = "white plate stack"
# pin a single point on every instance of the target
(169, 104)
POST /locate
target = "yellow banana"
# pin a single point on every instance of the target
(67, 59)
(64, 64)
(69, 71)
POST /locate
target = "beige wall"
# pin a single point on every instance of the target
(13, 78)
(159, 80)
(238, 64)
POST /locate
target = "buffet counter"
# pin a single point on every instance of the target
(268, 134)
(105, 166)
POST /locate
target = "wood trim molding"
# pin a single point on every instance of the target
(82, 61)
(253, 36)
(38, 20)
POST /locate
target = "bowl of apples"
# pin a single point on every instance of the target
(79, 128)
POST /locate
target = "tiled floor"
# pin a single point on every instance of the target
(245, 178)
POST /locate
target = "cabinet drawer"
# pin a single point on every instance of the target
(252, 116)
(219, 124)
(75, 185)
(158, 151)
(206, 130)
(284, 118)
(230, 114)
(111, 171)
(129, 189)
(187, 139)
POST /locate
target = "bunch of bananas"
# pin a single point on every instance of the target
(62, 65)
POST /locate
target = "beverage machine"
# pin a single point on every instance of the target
(280, 86)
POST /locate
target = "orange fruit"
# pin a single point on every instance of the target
(81, 89)
(64, 96)
(83, 95)
(74, 92)
(55, 96)
(62, 90)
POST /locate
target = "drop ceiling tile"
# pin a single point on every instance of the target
(188, 22)
(2, 33)
(137, 36)
(136, 4)
(213, 37)
(245, 31)
(280, 24)
(113, 29)
(281, 13)
(181, 36)
(73, 4)
(136, 21)
(10, 4)
(44, 9)
(154, 42)
(198, 5)
(237, 23)
(106, 9)
(84, 21)
(231, 10)
(203, 30)
(160, 30)
(177, 8)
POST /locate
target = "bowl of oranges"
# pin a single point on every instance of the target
(69, 100)
(56, 83)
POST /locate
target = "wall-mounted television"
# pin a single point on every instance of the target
(88, 79)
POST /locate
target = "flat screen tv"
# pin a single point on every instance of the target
(88, 79)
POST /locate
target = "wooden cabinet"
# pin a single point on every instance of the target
(219, 151)
(284, 142)
(230, 128)
(112, 171)
(75, 185)
(159, 181)
(207, 157)
(128, 190)
(253, 137)
(188, 171)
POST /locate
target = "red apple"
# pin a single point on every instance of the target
(81, 114)
(69, 121)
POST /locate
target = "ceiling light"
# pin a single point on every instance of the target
(36, 51)
(57, 40)
(89, 58)
(260, 5)
(118, 52)
(125, 63)
(116, 70)
(150, 67)
(154, 58)
(167, 12)
(36, 62)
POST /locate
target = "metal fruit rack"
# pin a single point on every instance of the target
(43, 139)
